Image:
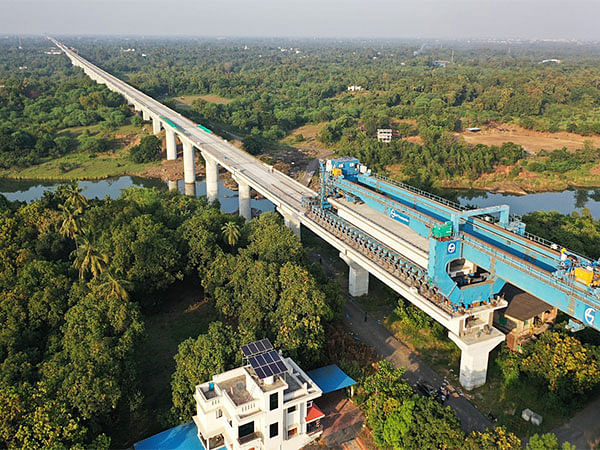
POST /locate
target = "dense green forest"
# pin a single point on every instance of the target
(79, 278)
(47, 107)
(267, 89)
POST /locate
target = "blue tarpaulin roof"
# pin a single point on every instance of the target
(183, 437)
(330, 378)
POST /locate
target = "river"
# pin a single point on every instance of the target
(564, 202)
(30, 190)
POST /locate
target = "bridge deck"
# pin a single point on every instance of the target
(397, 229)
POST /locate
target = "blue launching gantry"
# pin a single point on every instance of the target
(472, 253)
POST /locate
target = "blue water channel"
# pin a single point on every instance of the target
(28, 190)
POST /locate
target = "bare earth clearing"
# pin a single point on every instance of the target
(532, 141)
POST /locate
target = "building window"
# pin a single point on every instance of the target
(246, 429)
(274, 401)
(291, 409)
(292, 432)
(219, 413)
(274, 429)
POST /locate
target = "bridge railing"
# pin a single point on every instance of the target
(423, 193)
(513, 217)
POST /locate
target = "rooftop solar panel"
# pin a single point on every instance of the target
(256, 348)
(267, 364)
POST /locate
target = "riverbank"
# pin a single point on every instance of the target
(504, 180)
(81, 166)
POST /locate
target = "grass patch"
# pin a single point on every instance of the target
(186, 101)
(80, 165)
(184, 314)
(428, 338)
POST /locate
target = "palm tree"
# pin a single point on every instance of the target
(231, 232)
(75, 199)
(116, 288)
(70, 226)
(88, 258)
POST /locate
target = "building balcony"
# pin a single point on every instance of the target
(250, 439)
(315, 430)
(208, 398)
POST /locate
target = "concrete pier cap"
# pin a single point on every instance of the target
(474, 356)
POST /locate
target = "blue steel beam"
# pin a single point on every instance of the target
(504, 254)
(541, 255)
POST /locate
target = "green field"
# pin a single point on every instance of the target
(79, 164)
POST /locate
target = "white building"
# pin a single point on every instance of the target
(239, 410)
(384, 135)
(355, 88)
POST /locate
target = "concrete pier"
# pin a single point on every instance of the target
(190, 189)
(291, 221)
(358, 278)
(145, 115)
(171, 144)
(155, 125)
(474, 357)
(189, 167)
(172, 185)
(212, 177)
(244, 200)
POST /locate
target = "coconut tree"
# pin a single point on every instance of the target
(114, 287)
(75, 199)
(88, 258)
(231, 233)
(70, 226)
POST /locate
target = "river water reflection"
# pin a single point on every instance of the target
(30, 190)
(564, 202)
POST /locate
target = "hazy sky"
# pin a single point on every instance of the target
(551, 19)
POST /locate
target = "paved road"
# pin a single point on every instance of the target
(378, 337)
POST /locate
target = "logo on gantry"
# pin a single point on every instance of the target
(589, 315)
(451, 247)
